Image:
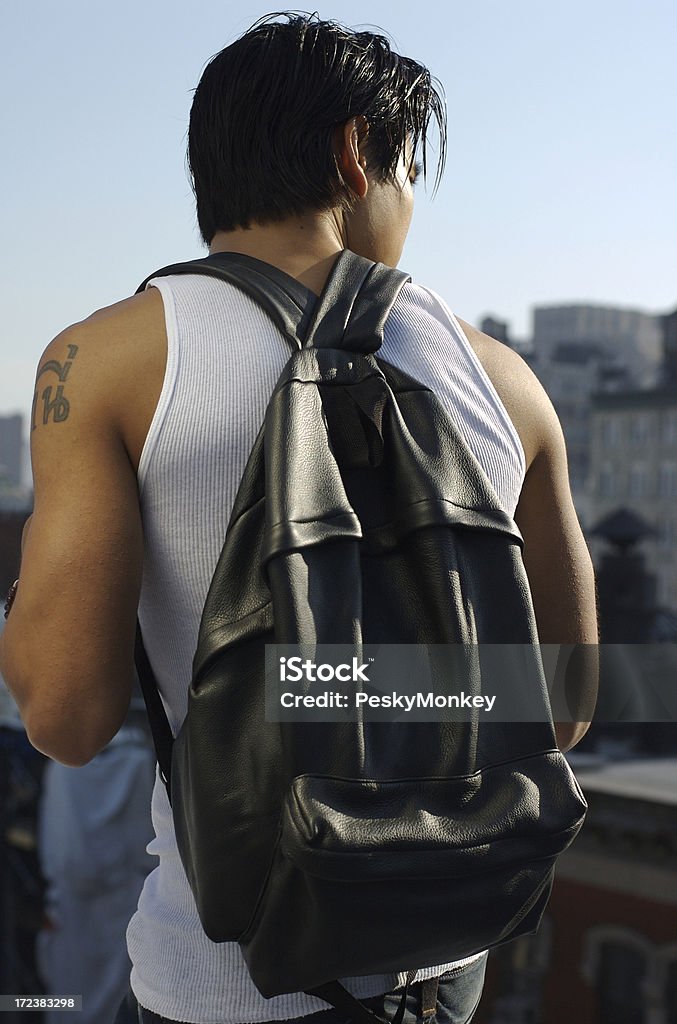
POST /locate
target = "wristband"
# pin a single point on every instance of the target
(9, 600)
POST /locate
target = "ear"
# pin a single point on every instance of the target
(349, 140)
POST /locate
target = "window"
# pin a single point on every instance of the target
(635, 981)
(638, 484)
(663, 591)
(640, 428)
(671, 994)
(620, 976)
(667, 480)
(619, 964)
(606, 482)
(669, 427)
(610, 431)
(665, 529)
(666, 983)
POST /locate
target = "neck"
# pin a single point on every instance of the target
(304, 247)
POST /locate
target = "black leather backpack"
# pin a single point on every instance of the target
(334, 849)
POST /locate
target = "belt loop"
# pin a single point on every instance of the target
(429, 988)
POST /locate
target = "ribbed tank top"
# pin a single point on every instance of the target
(210, 409)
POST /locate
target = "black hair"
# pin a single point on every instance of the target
(260, 140)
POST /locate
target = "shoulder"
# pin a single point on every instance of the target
(115, 328)
(114, 362)
(520, 390)
(517, 386)
(108, 339)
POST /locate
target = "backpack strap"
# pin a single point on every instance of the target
(350, 314)
(160, 728)
(340, 998)
(286, 302)
(282, 297)
(354, 305)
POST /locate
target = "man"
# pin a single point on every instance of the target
(301, 143)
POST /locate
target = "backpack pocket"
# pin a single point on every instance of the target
(354, 829)
(374, 876)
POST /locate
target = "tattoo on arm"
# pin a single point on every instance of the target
(57, 407)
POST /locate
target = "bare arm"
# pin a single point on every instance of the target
(559, 567)
(556, 556)
(67, 649)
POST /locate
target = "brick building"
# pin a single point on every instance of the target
(606, 952)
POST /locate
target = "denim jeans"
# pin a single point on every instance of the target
(458, 997)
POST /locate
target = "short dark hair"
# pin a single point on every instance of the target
(260, 141)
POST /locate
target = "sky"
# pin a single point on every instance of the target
(560, 180)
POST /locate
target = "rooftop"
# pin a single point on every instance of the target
(652, 779)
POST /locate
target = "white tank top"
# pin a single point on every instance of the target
(209, 412)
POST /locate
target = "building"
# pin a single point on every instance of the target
(669, 328)
(628, 336)
(11, 451)
(569, 376)
(582, 350)
(497, 329)
(633, 464)
(606, 951)
(11, 528)
(571, 373)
